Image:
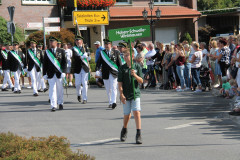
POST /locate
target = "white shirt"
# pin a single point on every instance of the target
(149, 54)
(204, 60)
(69, 57)
(198, 61)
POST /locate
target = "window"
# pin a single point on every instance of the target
(38, 1)
(165, 1)
(123, 1)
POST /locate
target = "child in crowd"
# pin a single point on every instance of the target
(99, 79)
(225, 87)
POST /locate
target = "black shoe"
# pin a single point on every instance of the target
(15, 92)
(60, 107)
(114, 105)
(4, 89)
(53, 109)
(35, 95)
(84, 102)
(138, 138)
(123, 136)
(19, 91)
(40, 90)
(45, 90)
(110, 106)
(79, 98)
(48, 100)
(12, 88)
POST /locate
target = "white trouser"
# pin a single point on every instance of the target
(17, 75)
(7, 79)
(35, 79)
(55, 91)
(81, 78)
(238, 77)
(111, 88)
(42, 82)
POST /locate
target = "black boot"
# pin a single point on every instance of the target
(79, 98)
(138, 137)
(123, 134)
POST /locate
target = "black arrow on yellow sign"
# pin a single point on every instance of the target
(103, 17)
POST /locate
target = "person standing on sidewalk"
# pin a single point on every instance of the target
(34, 61)
(54, 70)
(110, 61)
(126, 76)
(80, 68)
(5, 68)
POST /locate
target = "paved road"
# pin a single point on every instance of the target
(176, 126)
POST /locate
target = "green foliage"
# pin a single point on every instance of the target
(217, 4)
(187, 37)
(14, 147)
(5, 37)
(205, 33)
(92, 81)
(64, 35)
(93, 67)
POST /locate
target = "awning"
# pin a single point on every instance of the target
(168, 12)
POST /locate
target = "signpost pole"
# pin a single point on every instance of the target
(44, 36)
(130, 46)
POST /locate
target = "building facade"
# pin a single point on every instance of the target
(27, 11)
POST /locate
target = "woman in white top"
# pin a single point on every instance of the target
(196, 62)
(69, 62)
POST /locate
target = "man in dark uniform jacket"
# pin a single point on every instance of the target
(80, 68)
(110, 61)
(16, 63)
(5, 68)
(34, 60)
(54, 70)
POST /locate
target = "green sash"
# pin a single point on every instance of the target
(56, 63)
(18, 58)
(4, 54)
(78, 51)
(122, 59)
(34, 58)
(109, 61)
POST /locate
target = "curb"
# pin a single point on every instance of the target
(225, 115)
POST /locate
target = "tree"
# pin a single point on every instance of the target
(217, 4)
(5, 37)
(64, 35)
(186, 37)
(205, 33)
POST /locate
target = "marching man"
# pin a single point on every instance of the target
(5, 68)
(122, 47)
(110, 61)
(80, 68)
(54, 70)
(34, 63)
(16, 64)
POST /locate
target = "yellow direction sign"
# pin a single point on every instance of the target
(90, 17)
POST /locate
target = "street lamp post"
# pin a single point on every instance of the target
(152, 21)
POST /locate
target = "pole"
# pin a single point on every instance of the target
(130, 46)
(75, 5)
(44, 36)
(12, 38)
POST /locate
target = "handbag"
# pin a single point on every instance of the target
(234, 72)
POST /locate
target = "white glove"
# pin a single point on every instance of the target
(89, 58)
(63, 75)
(45, 77)
(1, 72)
(25, 70)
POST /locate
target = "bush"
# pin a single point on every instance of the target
(187, 37)
(64, 35)
(92, 81)
(5, 37)
(205, 33)
(93, 67)
(16, 147)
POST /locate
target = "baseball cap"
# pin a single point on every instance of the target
(97, 42)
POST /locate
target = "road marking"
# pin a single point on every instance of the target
(186, 125)
(97, 142)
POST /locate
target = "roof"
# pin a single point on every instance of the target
(167, 12)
